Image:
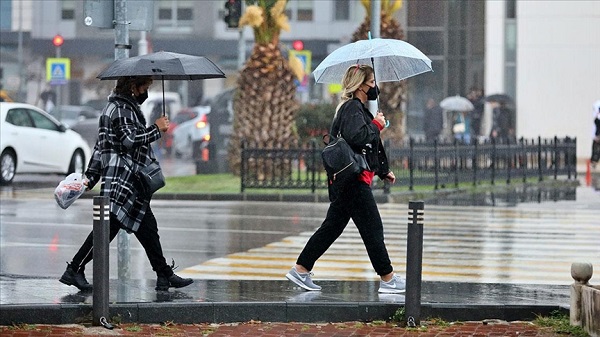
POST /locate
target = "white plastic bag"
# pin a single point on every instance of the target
(69, 190)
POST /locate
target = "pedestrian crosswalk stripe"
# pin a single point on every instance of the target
(523, 244)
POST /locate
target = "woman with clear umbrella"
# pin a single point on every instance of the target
(354, 200)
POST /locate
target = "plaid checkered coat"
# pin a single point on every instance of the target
(123, 146)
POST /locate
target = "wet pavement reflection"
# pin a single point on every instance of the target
(501, 247)
(25, 291)
(510, 196)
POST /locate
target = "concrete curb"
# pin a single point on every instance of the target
(227, 312)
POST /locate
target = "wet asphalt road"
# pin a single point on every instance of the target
(259, 240)
(529, 242)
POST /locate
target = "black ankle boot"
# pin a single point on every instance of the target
(164, 282)
(71, 277)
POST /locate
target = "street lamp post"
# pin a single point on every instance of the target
(122, 47)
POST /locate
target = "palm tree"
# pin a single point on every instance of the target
(392, 93)
(265, 104)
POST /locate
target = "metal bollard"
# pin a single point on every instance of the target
(101, 238)
(414, 262)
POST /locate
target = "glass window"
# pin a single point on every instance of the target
(165, 14)
(185, 14)
(451, 33)
(511, 9)
(6, 14)
(19, 117)
(305, 10)
(341, 10)
(171, 13)
(510, 44)
(67, 9)
(457, 77)
(425, 13)
(42, 122)
(429, 42)
(421, 88)
(455, 13)
(457, 43)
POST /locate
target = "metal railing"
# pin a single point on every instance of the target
(439, 165)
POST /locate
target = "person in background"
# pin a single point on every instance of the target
(433, 120)
(461, 126)
(477, 99)
(48, 97)
(596, 140)
(354, 200)
(124, 143)
(502, 124)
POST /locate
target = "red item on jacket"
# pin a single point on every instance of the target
(366, 177)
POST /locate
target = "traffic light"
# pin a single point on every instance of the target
(233, 12)
(58, 40)
(298, 45)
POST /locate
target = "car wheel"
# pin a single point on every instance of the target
(8, 166)
(77, 162)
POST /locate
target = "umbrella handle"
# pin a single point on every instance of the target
(387, 122)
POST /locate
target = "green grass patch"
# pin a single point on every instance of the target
(560, 323)
(203, 183)
(133, 328)
(222, 183)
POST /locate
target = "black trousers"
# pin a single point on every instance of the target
(595, 151)
(147, 235)
(355, 201)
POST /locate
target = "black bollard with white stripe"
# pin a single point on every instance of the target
(414, 263)
(101, 235)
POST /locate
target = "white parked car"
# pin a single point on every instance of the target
(32, 141)
(191, 137)
(152, 107)
(70, 115)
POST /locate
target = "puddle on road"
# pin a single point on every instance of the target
(507, 197)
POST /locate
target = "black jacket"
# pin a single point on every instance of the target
(357, 128)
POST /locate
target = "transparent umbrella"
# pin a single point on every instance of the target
(393, 60)
(456, 103)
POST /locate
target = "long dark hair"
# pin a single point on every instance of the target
(126, 84)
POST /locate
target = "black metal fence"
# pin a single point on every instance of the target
(438, 165)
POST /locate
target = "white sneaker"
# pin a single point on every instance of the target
(396, 285)
(302, 279)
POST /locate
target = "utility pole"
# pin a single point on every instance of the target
(21, 97)
(375, 33)
(122, 47)
(241, 49)
(143, 44)
(375, 18)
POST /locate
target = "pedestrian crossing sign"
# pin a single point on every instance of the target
(305, 57)
(58, 70)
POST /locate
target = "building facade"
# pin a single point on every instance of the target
(545, 54)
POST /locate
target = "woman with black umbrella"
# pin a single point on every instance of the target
(122, 148)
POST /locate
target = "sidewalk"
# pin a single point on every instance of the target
(47, 301)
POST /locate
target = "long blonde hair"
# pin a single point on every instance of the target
(355, 76)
